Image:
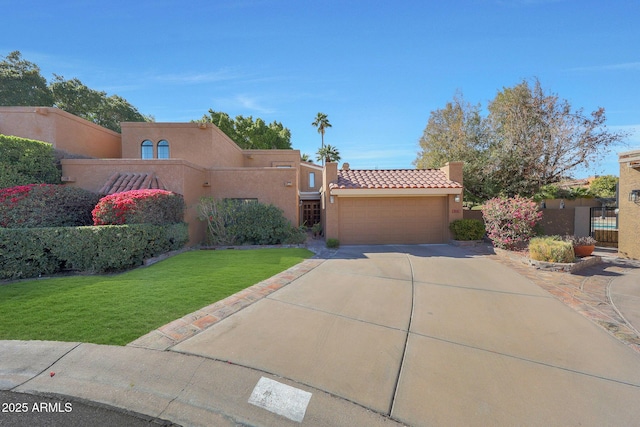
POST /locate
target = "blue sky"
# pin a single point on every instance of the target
(376, 68)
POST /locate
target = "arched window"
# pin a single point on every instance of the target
(163, 149)
(147, 149)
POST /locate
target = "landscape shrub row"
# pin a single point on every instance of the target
(46, 205)
(231, 222)
(31, 252)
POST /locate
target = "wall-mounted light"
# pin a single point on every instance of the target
(330, 199)
(457, 198)
(288, 184)
(634, 196)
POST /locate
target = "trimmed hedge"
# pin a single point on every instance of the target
(140, 207)
(31, 252)
(46, 205)
(467, 229)
(26, 161)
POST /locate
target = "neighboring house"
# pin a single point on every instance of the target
(629, 204)
(198, 160)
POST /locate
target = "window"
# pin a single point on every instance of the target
(312, 179)
(147, 149)
(163, 149)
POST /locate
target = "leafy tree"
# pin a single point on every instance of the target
(21, 83)
(529, 139)
(457, 133)
(322, 123)
(95, 106)
(604, 186)
(250, 134)
(328, 154)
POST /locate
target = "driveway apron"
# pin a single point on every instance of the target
(433, 335)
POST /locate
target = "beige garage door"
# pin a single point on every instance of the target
(392, 220)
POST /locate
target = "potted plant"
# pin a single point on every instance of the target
(582, 246)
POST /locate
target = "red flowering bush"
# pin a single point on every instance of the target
(45, 205)
(510, 223)
(139, 207)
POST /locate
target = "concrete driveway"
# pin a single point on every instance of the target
(431, 335)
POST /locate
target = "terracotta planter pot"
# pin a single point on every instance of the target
(583, 251)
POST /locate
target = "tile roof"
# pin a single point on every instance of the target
(392, 178)
(119, 182)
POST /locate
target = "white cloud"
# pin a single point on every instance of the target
(623, 66)
(197, 78)
(242, 103)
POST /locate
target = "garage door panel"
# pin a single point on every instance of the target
(395, 220)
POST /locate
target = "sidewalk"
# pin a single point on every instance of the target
(601, 293)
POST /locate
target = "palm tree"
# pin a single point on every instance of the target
(322, 123)
(305, 158)
(328, 154)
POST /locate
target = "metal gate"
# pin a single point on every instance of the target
(604, 226)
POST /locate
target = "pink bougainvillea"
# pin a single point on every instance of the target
(510, 223)
(135, 206)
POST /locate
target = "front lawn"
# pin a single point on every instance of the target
(117, 309)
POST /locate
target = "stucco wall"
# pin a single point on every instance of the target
(275, 186)
(177, 175)
(629, 217)
(270, 158)
(201, 144)
(65, 131)
(304, 177)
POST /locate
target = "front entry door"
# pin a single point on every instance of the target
(310, 212)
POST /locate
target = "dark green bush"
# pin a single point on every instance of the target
(140, 207)
(467, 229)
(30, 252)
(25, 161)
(333, 243)
(46, 205)
(231, 222)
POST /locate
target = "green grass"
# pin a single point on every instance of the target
(117, 309)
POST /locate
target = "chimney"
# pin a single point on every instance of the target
(345, 166)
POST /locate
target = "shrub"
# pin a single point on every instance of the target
(333, 243)
(231, 222)
(139, 207)
(25, 161)
(551, 249)
(30, 252)
(580, 241)
(46, 205)
(510, 223)
(467, 229)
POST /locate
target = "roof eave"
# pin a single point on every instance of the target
(394, 192)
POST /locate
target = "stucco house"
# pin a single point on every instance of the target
(197, 160)
(629, 204)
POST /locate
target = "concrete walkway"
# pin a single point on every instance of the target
(415, 335)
